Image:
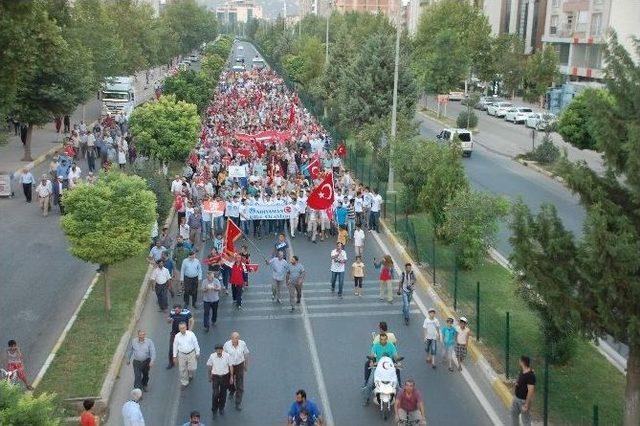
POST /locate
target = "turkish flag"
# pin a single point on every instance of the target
(314, 167)
(342, 150)
(321, 197)
(231, 234)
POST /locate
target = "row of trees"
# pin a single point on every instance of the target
(56, 55)
(454, 42)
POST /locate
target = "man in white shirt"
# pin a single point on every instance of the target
(131, 413)
(161, 276)
(338, 260)
(376, 202)
(220, 375)
(186, 351)
(366, 208)
(27, 181)
(176, 185)
(431, 328)
(239, 357)
(358, 240)
(43, 190)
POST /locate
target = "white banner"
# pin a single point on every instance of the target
(269, 211)
(237, 171)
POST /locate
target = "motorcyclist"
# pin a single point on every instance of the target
(378, 350)
(391, 338)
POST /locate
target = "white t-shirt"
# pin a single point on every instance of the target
(338, 260)
(357, 204)
(219, 364)
(160, 276)
(358, 238)
(376, 201)
(431, 327)
(462, 337)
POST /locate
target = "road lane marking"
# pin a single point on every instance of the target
(484, 402)
(306, 314)
(286, 307)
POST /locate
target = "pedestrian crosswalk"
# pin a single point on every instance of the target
(257, 303)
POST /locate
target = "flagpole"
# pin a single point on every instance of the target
(246, 237)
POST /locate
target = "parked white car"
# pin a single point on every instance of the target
(456, 96)
(540, 120)
(518, 115)
(463, 135)
(499, 109)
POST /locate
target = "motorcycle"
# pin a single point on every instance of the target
(385, 384)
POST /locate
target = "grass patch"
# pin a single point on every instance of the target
(83, 360)
(434, 114)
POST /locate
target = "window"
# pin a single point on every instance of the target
(596, 24)
(555, 3)
(553, 25)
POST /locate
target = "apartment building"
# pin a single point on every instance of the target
(371, 6)
(524, 18)
(236, 11)
(578, 30)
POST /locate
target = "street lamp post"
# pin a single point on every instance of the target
(394, 108)
(326, 49)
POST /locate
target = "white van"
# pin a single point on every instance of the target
(463, 135)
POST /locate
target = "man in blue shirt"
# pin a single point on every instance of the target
(303, 408)
(341, 215)
(190, 274)
(379, 349)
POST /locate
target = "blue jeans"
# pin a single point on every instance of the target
(244, 224)
(373, 222)
(226, 274)
(210, 313)
(351, 226)
(406, 302)
(340, 277)
(206, 230)
(219, 224)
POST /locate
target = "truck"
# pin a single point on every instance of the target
(463, 136)
(118, 96)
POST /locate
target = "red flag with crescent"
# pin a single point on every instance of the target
(342, 150)
(314, 167)
(321, 197)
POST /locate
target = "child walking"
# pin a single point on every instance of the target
(357, 271)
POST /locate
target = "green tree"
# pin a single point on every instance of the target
(58, 81)
(453, 40)
(471, 224)
(191, 87)
(211, 66)
(545, 254)
(605, 295)
(541, 71)
(509, 62)
(167, 129)
(191, 23)
(367, 91)
(575, 123)
(109, 221)
(22, 409)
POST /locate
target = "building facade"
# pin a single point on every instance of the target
(578, 30)
(238, 11)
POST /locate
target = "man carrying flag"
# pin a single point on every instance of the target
(321, 197)
(314, 167)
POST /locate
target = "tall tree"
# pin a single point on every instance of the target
(509, 62)
(575, 124)
(167, 129)
(109, 221)
(605, 295)
(189, 86)
(191, 23)
(60, 79)
(541, 72)
(453, 40)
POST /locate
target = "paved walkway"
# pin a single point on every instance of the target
(41, 283)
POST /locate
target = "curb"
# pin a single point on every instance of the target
(40, 159)
(498, 386)
(533, 166)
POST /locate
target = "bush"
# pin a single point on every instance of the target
(19, 408)
(545, 153)
(461, 121)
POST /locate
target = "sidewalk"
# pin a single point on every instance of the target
(45, 141)
(512, 140)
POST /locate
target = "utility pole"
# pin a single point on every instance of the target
(394, 108)
(326, 49)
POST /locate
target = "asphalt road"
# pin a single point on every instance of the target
(41, 283)
(320, 347)
(500, 175)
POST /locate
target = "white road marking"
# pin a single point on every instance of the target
(286, 307)
(484, 402)
(307, 315)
